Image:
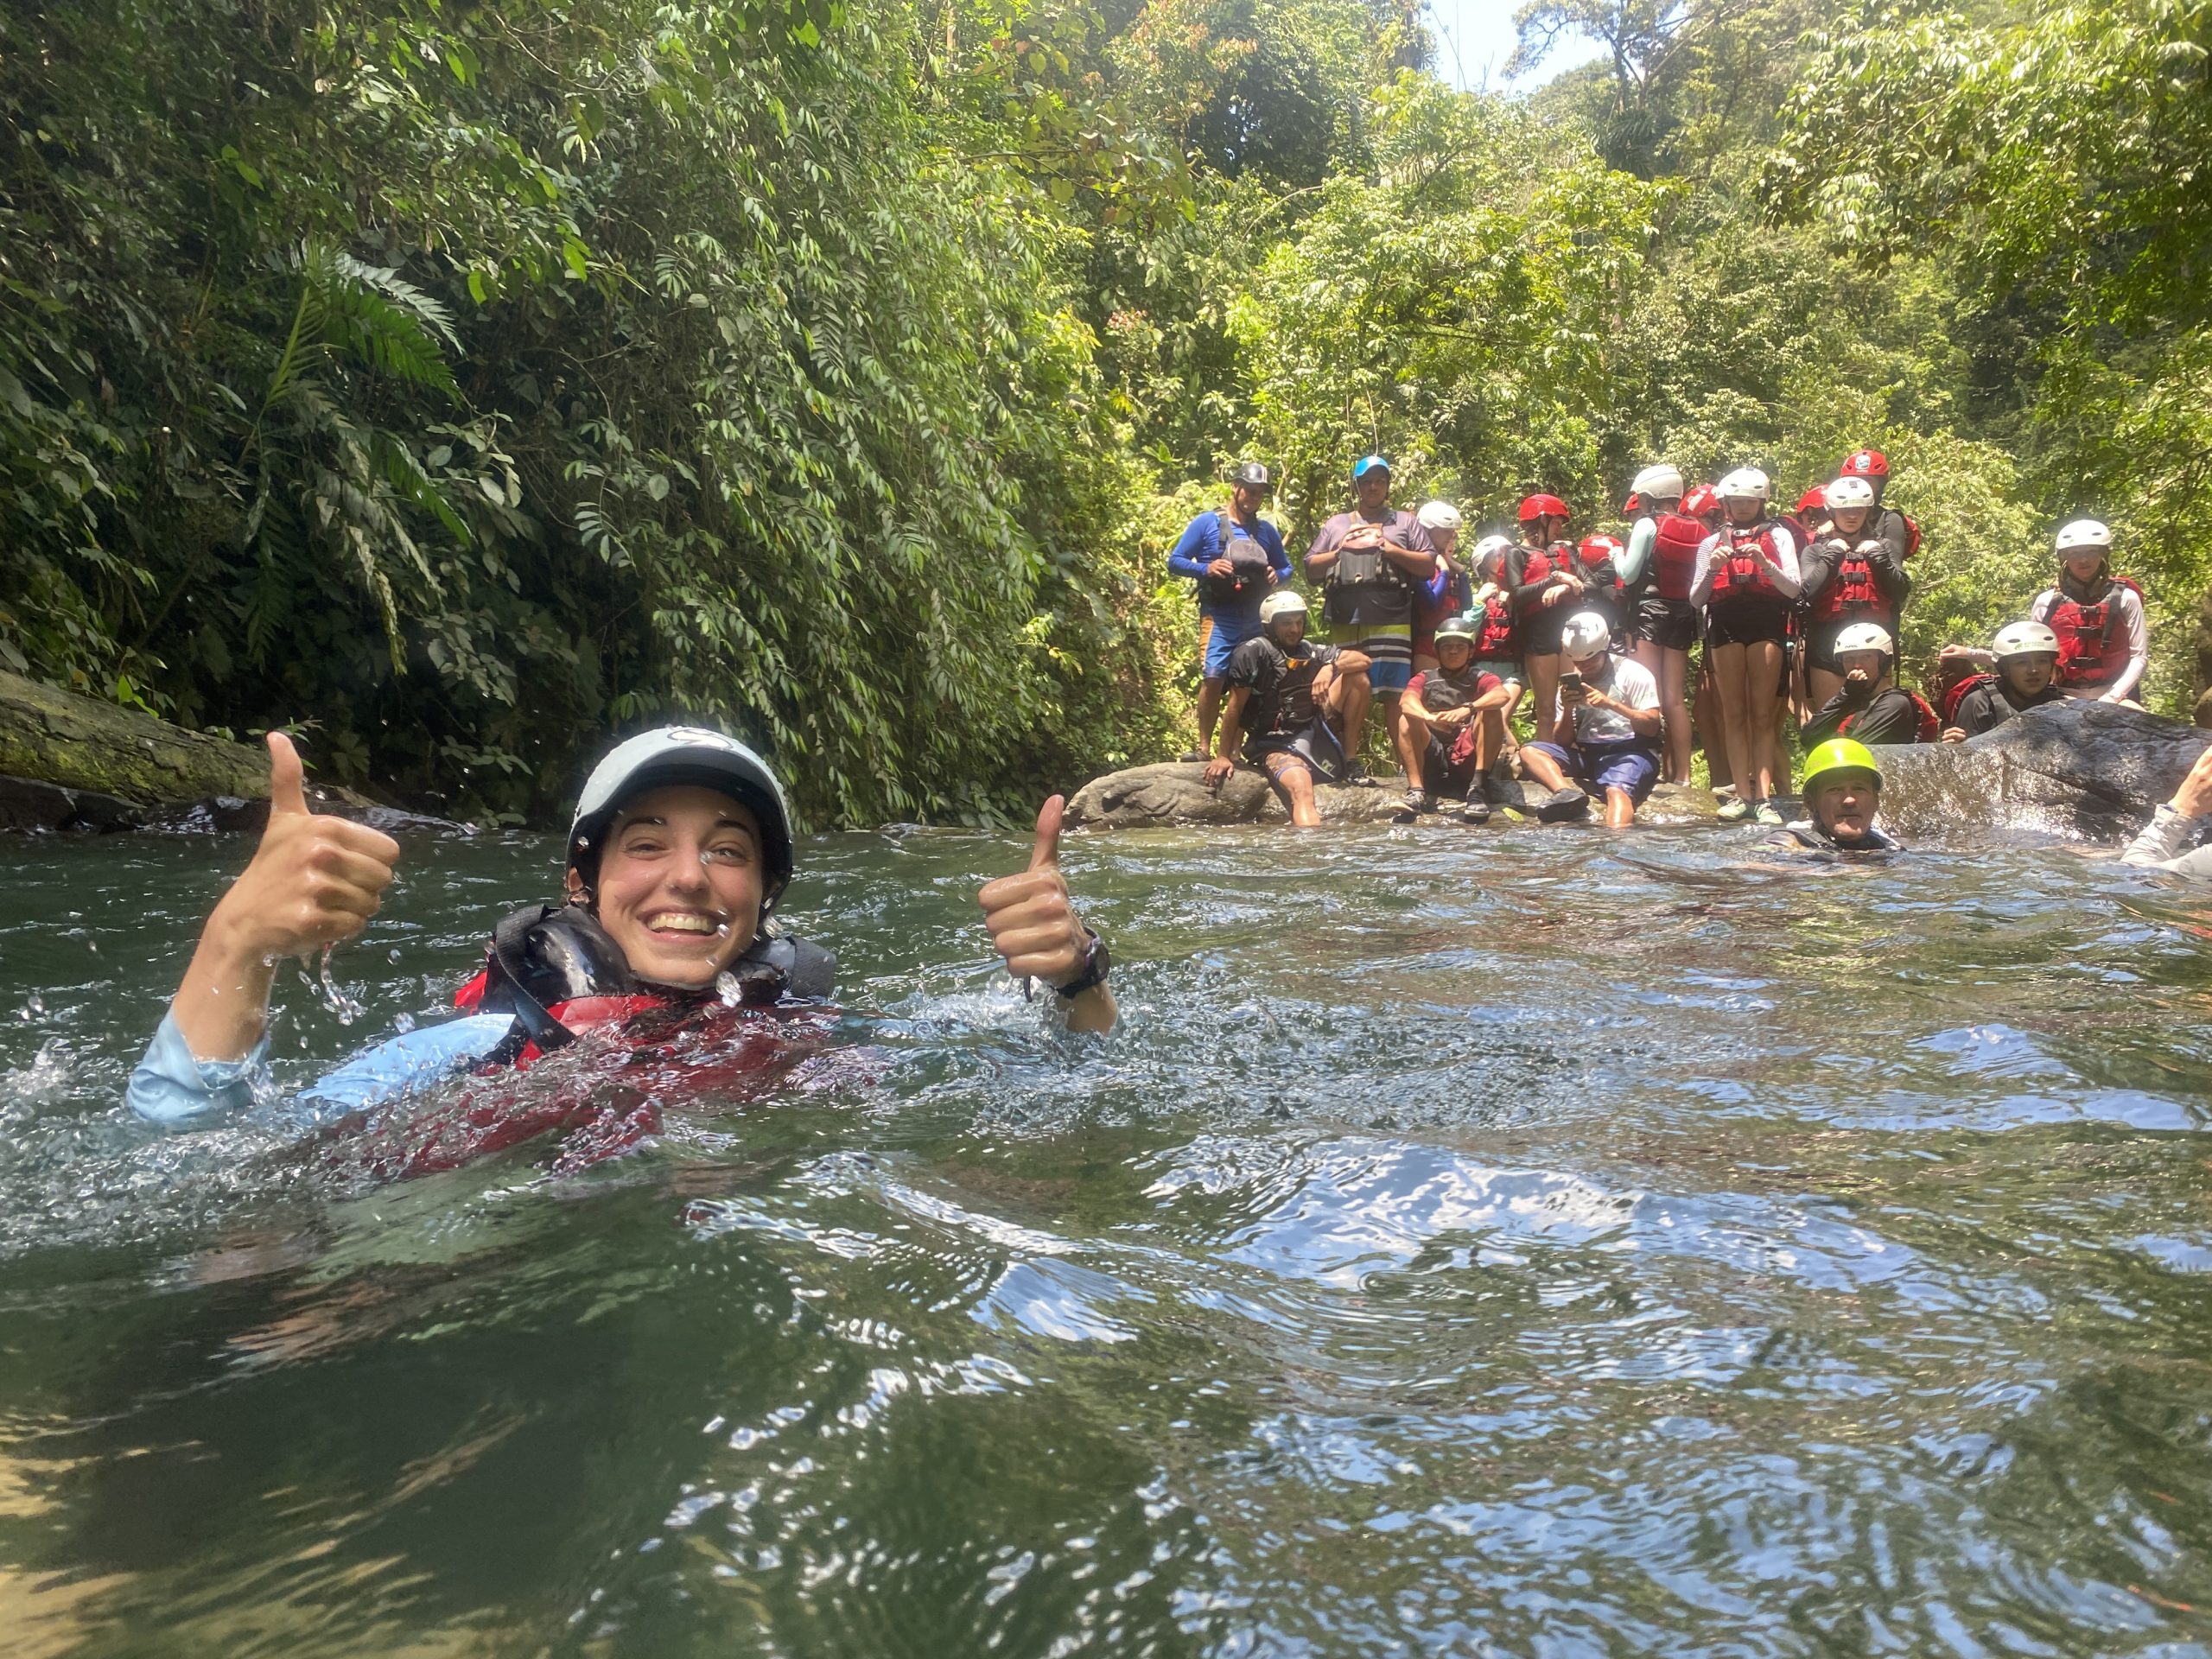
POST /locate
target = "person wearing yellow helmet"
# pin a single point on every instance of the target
(1843, 794)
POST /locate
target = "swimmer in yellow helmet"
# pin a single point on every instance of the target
(1843, 793)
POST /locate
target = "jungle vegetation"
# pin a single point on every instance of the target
(465, 381)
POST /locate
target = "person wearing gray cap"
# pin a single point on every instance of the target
(1237, 559)
(678, 854)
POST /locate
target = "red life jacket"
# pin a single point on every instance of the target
(1957, 695)
(1495, 637)
(1741, 576)
(2092, 649)
(1673, 555)
(1581, 564)
(1930, 728)
(1536, 564)
(1852, 592)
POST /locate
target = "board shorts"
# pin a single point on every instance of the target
(1389, 648)
(1626, 763)
(1219, 633)
(1670, 623)
(1443, 773)
(1747, 622)
(1313, 746)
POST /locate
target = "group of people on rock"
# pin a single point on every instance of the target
(1798, 614)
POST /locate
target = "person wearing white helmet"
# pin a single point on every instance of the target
(1852, 575)
(679, 851)
(1237, 559)
(1655, 574)
(2026, 655)
(1747, 581)
(1871, 706)
(1497, 635)
(1606, 735)
(1447, 593)
(1450, 742)
(1295, 708)
(2104, 640)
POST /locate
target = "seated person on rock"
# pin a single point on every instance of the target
(2173, 839)
(680, 848)
(1295, 706)
(2026, 655)
(1871, 706)
(1843, 793)
(1606, 729)
(1447, 745)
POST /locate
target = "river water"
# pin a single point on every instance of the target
(1525, 1243)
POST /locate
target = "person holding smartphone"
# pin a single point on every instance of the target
(1607, 730)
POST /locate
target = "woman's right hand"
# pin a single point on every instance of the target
(314, 880)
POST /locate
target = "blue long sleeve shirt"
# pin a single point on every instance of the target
(1199, 546)
(170, 1085)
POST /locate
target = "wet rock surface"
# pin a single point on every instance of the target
(1177, 792)
(2087, 771)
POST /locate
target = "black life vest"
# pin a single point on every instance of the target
(1249, 562)
(1673, 555)
(546, 961)
(1928, 731)
(1853, 591)
(1740, 575)
(1440, 691)
(2092, 646)
(1365, 585)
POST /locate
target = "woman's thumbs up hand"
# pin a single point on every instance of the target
(314, 880)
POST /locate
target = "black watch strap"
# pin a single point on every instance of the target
(1095, 965)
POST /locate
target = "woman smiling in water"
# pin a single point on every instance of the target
(680, 848)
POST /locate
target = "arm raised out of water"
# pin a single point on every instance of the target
(1035, 927)
(314, 880)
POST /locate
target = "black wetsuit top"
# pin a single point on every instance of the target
(1991, 705)
(1282, 704)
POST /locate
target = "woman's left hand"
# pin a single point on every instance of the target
(1035, 927)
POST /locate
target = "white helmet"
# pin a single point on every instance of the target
(1439, 515)
(1848, 493)
(1866, 636)
(1586, 634)
(1281, 602)
(1659, 480)
(1745, 481)
(685, 754)
(2084, 532)
(2024, 639)
(1491, 546)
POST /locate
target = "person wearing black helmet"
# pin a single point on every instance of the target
(1237, 558)
(678, 854)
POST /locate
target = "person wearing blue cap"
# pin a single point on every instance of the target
(1237, 559)
(1371, 562)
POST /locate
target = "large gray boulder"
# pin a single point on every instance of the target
(1177, 792)
(2087, 771)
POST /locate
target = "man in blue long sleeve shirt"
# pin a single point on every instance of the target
(1237, 558)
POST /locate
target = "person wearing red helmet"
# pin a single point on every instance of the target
(1852, 575)
(1747, 581)
(1545, 595)
(1885, 524)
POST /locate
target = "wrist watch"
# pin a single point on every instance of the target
(1095, 964)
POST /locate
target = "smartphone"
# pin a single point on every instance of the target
(1570, 679)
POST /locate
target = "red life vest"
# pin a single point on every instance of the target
(1852, 592)
(1930, 728)
(1536, 564)
(1673, 555)
(1583, 565)
(2092, 649)
(1957, 695)
(1495, 637)
(1740, 576)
